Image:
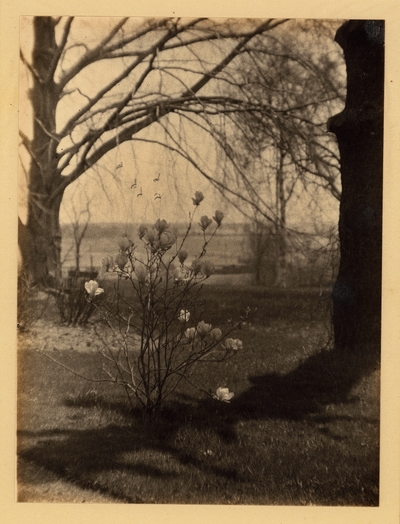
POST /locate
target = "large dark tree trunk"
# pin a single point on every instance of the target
(40, 237)
(359, 131)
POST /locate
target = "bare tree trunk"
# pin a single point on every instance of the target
(40, 245)
(40, 238)
(280, 226)
(77, 257)
(359, 130)
(257, 246)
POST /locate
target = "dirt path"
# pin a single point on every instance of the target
(45, 336)
(51, 336)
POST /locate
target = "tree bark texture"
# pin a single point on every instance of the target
(40, 237)
(359, 131)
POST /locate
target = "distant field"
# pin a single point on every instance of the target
(229, 250)
(225, 249)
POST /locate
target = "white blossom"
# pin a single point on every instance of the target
(233, 343)
(93, 289)
(184, 315)
(223, 395)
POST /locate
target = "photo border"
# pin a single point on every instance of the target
(21, 513)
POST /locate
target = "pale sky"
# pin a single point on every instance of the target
(141, 182)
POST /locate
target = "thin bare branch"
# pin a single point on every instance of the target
(90, 56)
(60, 48)
(28, 65)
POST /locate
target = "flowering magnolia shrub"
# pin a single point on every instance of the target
(159, 326)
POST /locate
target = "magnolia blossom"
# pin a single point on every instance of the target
(190, 333)
(151, 234)
(215, 334)
(223, 395)
(184, 315)
(198, 197)
(167, 239)
(233, 343)
(141, 273)
(161, 225)
(182, 255)
(205, 222)
(93, 289)
(107, 263)
(121, 260)
(203, 329)
(142, 231)
(125, 243)
(218, 216)
(207, 268)
(197, 265)
(180, 275)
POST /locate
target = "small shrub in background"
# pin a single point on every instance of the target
(160, 327)
(31, 303)
(72, 303)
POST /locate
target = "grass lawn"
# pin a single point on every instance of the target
(302, 428)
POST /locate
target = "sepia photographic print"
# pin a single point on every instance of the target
(199, 284)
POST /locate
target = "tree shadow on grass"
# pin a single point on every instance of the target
(109, 459)
(85, 457)
(327, 377)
